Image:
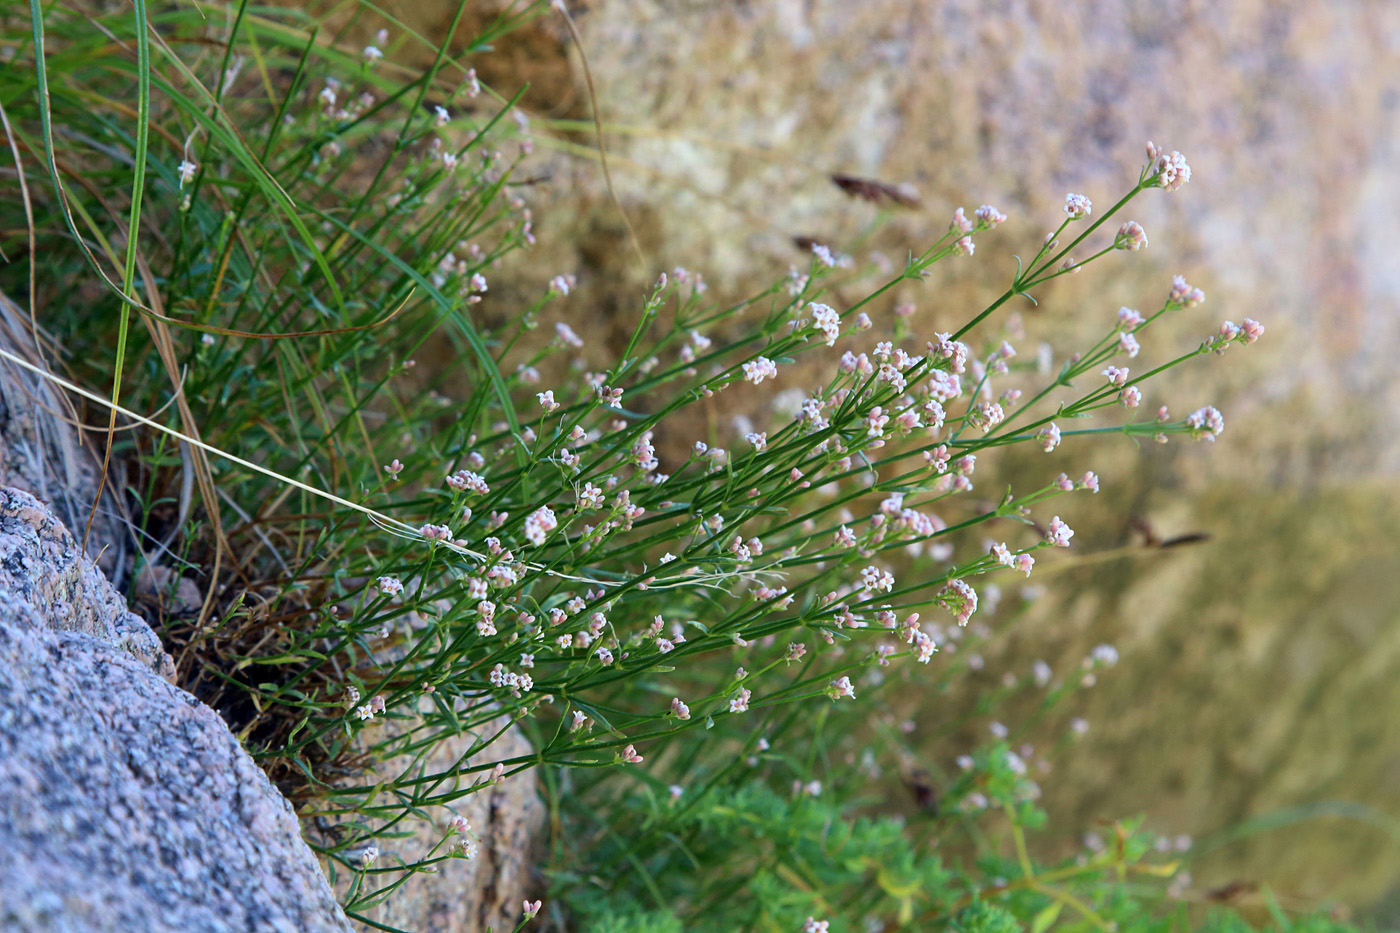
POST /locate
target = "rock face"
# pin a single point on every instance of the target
(125, 803)
(40, 452)
(40, 566)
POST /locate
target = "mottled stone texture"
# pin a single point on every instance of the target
(125, 804)
(40, 565)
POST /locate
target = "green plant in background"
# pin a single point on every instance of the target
(706, 639)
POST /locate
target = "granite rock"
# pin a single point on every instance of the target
(40, 565)
(41, 453)
(125, 803)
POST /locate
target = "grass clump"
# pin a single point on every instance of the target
(249, 230)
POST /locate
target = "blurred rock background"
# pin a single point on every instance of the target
(1259, 668)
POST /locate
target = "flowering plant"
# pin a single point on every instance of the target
(683, 617)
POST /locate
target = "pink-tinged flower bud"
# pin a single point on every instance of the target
(436, 532)
(1170, 170)
(1183, 294)
(1130, 237)
(959, 598)
(1117, 375)
(841, 687)
(1060, 533)
(989, 216)
(1205, 423)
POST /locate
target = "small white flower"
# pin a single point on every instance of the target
(1077, 206)
(760, 369)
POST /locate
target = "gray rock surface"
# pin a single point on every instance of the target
(40, 565)
(40, 452)
(125, 803)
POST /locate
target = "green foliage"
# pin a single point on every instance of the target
(981, 917)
